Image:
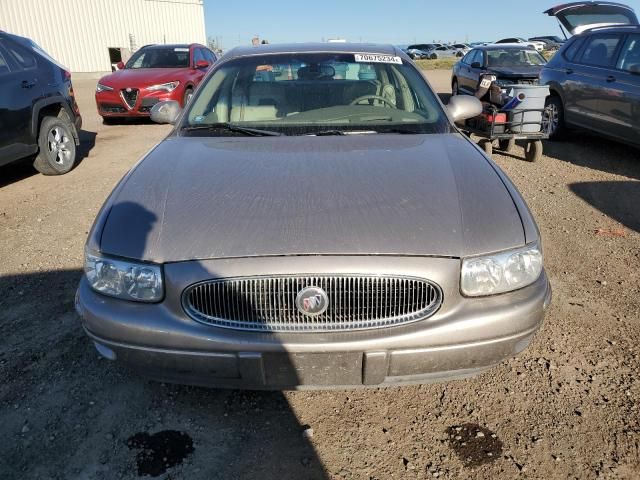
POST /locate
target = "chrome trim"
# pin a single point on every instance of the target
(126, 102)
(268, 303)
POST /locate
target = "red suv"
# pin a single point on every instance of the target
(154, 73)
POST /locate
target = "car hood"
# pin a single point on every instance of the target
(517, 72)
(140, 77)
(202, 198)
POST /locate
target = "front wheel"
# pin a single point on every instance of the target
(188, 93)
(487, 146)
(57, 147)
(533, 151)
(506, 144)
(433, 56)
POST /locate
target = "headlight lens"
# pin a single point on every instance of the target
(501, 272)
(141, 282)
(167, 87)
(103, 88)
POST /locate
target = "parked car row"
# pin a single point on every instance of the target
(593, 80)
(434, 51)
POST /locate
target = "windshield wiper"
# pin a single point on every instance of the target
(255, 132)
(326, 133)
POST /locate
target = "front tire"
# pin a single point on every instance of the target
(433, 56)
(57, 147)
(533, 151)
(188, 93)
(553, 117)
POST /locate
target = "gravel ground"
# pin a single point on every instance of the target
(567, 407)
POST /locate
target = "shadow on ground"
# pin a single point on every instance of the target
(618, 200)
(71, 414)
(584, 150)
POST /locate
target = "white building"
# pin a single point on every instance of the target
(91, 35)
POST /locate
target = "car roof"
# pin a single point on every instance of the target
(502, 46)
(278, 48)
(172, 45)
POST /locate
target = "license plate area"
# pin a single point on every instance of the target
(312, 368)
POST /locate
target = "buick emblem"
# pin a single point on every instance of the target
(128, 89)
(312, 301)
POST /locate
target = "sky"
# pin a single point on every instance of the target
(398, 22)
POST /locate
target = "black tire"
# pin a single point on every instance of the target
(433, 56)
(486, 145)
(455, 88)
(554, 113)
(506, 144)
(57, 147)
(533, 151)
(188, 93)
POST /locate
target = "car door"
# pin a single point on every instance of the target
(589, 79)
(470, 71)
(620, 100)
(20, 87)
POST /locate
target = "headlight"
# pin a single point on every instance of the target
(500, 272)
(103, 88)
(141, 282)
(167, 87)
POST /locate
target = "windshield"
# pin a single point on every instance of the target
(297, 94)
(514, 58)
(171, 57)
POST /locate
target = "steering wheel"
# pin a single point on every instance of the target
(373, 97)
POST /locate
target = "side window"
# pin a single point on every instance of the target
(630, 55)
(572, 50)
(210, 56)
(477, 57)
(4, 65)
(600, 50)
(22, 56)
(197, 55)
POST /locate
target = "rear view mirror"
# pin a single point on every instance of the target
(476, 65)
(165, 112)
(120, 65)
(462, 107)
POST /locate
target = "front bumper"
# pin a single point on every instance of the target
(111, 103)
(464, 337)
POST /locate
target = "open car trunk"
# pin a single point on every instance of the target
(577, 17)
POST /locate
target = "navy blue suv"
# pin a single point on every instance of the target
(594, 79)
(39, 115)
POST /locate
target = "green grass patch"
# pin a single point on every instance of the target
(438, 64)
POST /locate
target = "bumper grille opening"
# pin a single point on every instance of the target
(354, 302)
(129, 97)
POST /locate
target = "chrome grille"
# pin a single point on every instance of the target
(130, 97)
(269, 303)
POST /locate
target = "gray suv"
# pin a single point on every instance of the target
(594, 79)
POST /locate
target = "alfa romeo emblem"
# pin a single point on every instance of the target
(312, 301)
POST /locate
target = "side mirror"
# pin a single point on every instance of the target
(202, 64)
(476, 65)
(120, 65)
(462, 107)
(165, 112)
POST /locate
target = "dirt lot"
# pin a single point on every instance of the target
(569, 406)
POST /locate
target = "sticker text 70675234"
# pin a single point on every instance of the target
(377, 58)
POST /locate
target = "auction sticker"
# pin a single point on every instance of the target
(377, 58)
